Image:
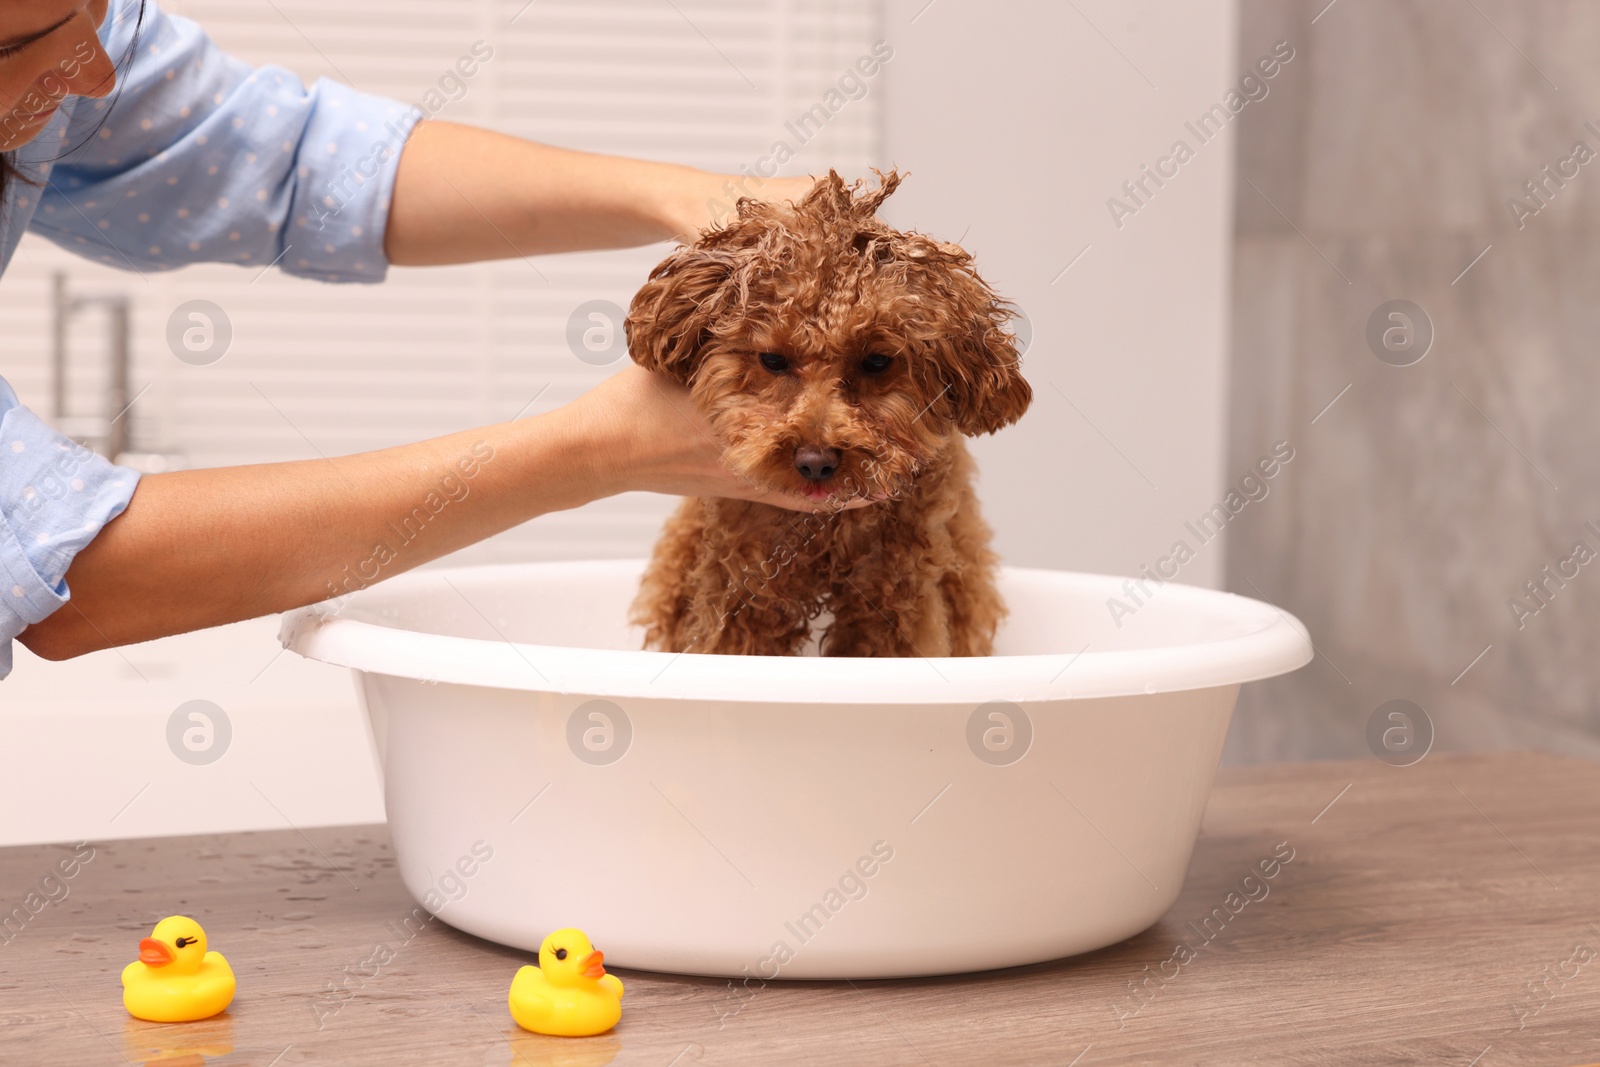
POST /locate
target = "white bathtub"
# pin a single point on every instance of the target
(794, 817)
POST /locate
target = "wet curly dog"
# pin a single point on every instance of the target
(836, 357)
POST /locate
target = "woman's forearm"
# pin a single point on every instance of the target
(464, 194)
(207, 547)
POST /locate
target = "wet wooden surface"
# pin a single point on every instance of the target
(1445, 913)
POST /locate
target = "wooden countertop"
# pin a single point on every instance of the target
(1445, 913)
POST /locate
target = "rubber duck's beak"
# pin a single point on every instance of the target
(594, 964)
(155, 953)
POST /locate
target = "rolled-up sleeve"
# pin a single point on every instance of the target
(199, 157)
(55, 497)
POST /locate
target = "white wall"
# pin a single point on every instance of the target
(1017, 121)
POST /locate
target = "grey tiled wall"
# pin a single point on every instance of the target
(1426, 496)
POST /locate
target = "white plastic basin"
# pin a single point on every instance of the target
(794, 817)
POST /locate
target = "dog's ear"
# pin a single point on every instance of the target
(986, 386)
(671, 314)
(969, 366)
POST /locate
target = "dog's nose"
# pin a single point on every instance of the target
(816, 464)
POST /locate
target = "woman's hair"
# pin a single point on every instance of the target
(8, 174)
(9, 171)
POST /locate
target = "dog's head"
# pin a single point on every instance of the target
(832, 355)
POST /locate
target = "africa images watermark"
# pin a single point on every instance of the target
(52, 888)
(1139, 191)
(1541, 589)
(50, 89)
(1539, 988)
(1251, 489)
(451, 488)
(1252, 889)
(850, 86)
(443, 891)
(451, 87)
(1542, 188)
(852, 885)
(57, 481)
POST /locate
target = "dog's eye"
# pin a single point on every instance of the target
(774, 362)
(876, 363)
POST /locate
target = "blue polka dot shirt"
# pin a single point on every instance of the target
(195, 157)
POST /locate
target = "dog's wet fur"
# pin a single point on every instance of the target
(835, 357)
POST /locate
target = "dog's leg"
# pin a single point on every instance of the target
(884, 596)
(708, 590)
(867, 621)
(975, 607)
(918, 580)
(662, 606)
(968, 583)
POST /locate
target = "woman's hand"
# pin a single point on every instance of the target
(645, 435)
(711, 200)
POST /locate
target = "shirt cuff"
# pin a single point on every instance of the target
(349, 158)
(28, 598)
(55, 497)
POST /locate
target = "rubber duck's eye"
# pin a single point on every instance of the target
(182, 941)
(876, 363)
(774, 362)
(561, 953)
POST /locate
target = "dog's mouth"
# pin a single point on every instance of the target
(840, 492)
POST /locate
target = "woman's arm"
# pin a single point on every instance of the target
(207, 547)
(199, 158)
(464, 194)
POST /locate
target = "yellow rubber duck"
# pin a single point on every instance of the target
(175, 980)
(569, 994)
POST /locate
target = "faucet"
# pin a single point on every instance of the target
(111, 431)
